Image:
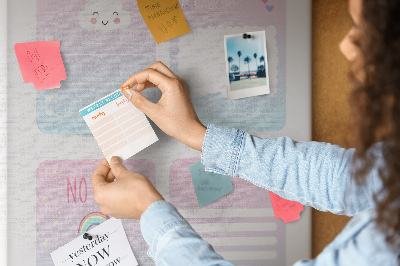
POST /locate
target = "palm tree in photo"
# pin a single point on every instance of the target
(234, 68)
(255, 57)
(230, 60)
(239, 54)
(262, 59)
(247, 60)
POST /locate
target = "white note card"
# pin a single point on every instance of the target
(118, 126)
(109, 246)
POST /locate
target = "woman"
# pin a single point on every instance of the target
(363, 183)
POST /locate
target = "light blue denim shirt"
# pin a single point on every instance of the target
(312, 173)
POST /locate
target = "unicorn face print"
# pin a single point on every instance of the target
(104, 15)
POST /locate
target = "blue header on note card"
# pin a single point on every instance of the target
(100, 103)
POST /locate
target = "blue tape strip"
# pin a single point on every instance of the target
(100, 103)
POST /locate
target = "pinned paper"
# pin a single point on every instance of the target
(118, 126)
(164, 18)
(108, 246)
(209, 186)
(248, 79)
(284, 209)
(41, 64)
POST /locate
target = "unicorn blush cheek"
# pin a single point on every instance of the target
(93, 20)
(117, 21)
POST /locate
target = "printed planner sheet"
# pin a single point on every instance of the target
(118, 126)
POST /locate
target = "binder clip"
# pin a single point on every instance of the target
(246, 36)
(87, 236)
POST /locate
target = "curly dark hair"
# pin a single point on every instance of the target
(375, 103)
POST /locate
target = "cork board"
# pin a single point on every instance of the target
(331, 88)
(48, 135)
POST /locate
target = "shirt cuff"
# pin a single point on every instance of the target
(222, 148)
(158, 219)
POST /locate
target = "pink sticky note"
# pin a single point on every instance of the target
(41, 64)
(284, 209)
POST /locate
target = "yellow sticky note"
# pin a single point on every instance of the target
(164, 18)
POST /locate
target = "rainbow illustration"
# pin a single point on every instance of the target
(90, 220)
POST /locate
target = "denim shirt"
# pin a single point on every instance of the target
(312, 173)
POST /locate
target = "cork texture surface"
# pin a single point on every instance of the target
(330, 99)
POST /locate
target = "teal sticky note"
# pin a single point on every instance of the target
(209, 186)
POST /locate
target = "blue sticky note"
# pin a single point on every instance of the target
(209, 186)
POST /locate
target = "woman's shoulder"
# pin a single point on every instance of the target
(362, 240)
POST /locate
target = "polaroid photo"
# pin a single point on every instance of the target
(246, 64)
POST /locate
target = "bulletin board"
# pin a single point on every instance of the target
(52, 155)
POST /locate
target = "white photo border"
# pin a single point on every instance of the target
(247, 92)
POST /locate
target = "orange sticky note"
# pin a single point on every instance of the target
(164, 18)
(41, 63)
(284, 209)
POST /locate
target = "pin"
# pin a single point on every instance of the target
(87, 236)
(246, 36)
(125, 88)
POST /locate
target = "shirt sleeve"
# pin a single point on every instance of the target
(360, 243)
(312, 173)
(172, 241)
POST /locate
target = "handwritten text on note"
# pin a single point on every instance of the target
(209, 186)
(41, 63)
(164, 18)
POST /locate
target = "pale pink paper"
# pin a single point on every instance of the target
(41, 63)
(284, 209)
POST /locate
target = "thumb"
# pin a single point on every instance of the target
(100, 174)
(117, 167)
(139, 101)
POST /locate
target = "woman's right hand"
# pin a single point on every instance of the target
(173, 113)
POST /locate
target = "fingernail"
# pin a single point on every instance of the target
(125, 88)
(129, 92)
(115, 160)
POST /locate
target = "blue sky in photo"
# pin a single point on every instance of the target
(248, 47)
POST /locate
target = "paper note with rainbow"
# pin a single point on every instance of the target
(90, 220)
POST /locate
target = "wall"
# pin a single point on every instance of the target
(331, 88)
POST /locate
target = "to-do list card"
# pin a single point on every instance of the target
(118, 126)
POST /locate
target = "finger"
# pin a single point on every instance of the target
(160, 67)
(110, 177)
(140, 102)
(142, 86)
(117, 167)
(159, 80)
(100, 174)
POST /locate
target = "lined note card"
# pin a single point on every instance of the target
(118, 126)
